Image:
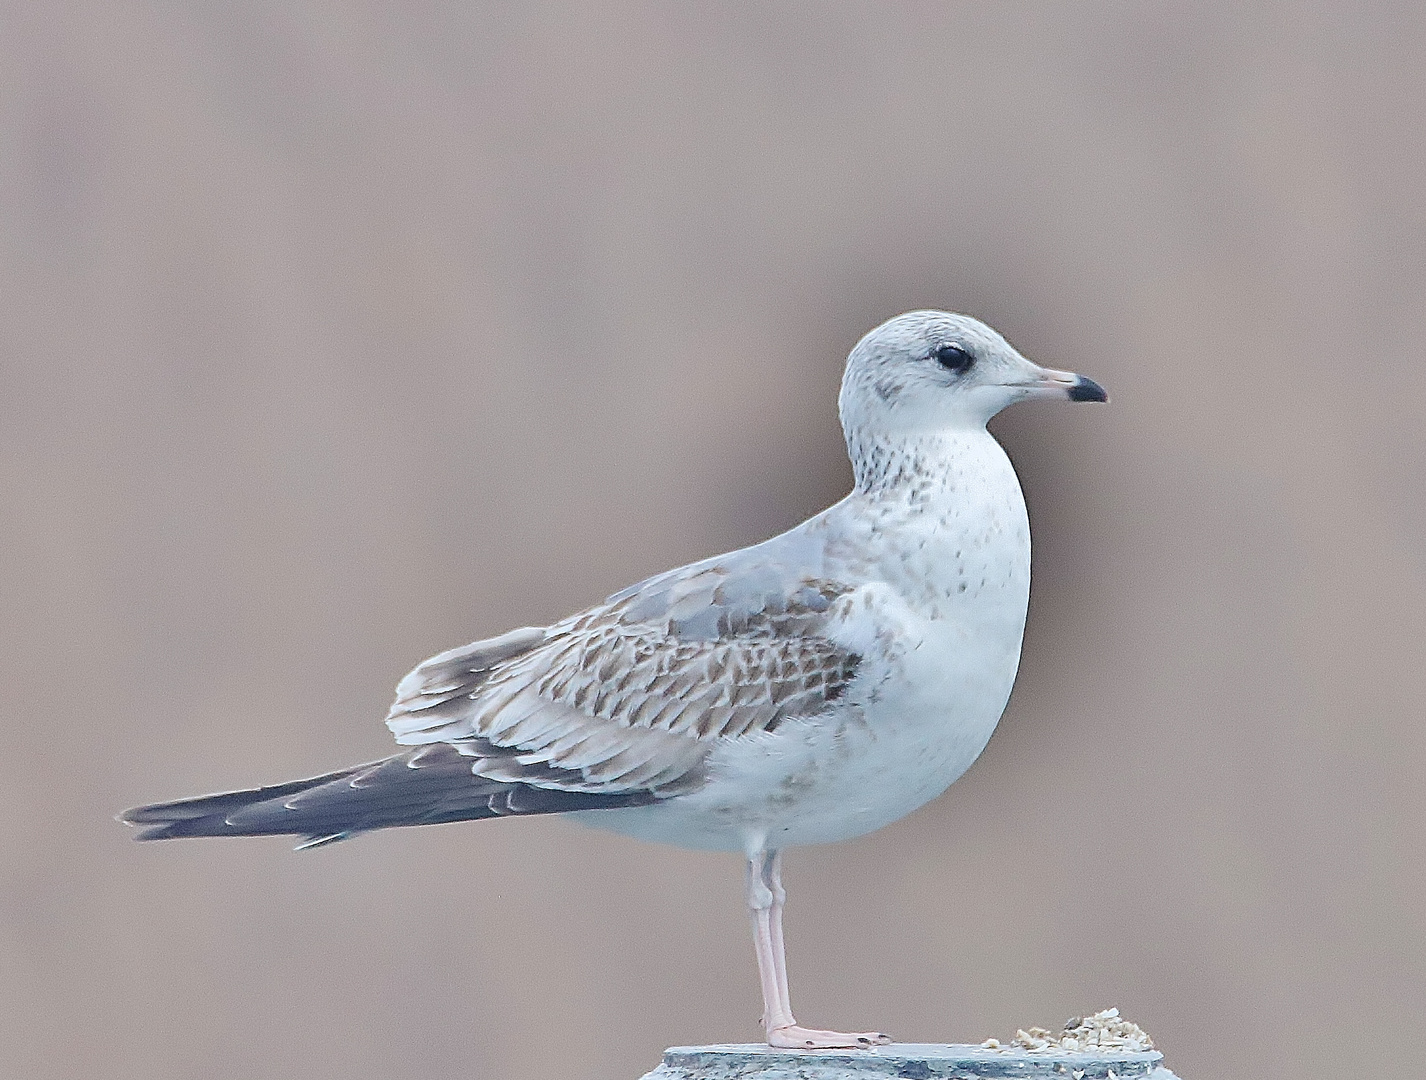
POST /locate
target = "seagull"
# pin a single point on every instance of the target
(811, 688)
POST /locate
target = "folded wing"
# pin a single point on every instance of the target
(618, 706)
(634, 693)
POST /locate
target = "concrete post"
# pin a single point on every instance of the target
(907, 1061)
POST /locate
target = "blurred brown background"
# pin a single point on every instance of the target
(335, 334)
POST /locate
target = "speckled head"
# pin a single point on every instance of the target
(933, 370)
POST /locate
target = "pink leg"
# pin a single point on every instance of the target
(765, 900)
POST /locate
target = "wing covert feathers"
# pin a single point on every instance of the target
(633, 693)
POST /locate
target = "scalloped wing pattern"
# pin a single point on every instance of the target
(633, 693)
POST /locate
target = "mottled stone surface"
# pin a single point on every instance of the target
(903, 1061)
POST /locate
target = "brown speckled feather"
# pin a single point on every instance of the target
(633, 693)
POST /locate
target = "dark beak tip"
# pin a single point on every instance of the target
(1087, 390)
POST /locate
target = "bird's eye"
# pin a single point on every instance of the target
(953, 358)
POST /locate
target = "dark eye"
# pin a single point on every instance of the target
(953, 358)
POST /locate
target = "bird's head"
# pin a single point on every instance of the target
(932, 370)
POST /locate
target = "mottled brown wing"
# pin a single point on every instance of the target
(634, 693)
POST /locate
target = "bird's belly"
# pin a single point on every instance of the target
(848, 772)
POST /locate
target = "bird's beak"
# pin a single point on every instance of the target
(1048, 382)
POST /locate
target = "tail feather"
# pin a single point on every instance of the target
(428, 786)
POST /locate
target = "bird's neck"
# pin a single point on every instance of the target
(913, 466)
(945, 518)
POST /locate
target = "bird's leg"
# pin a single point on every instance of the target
(779, 953)
(777, 1009)
(765, 900)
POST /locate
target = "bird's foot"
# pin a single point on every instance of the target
(797, 1037)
